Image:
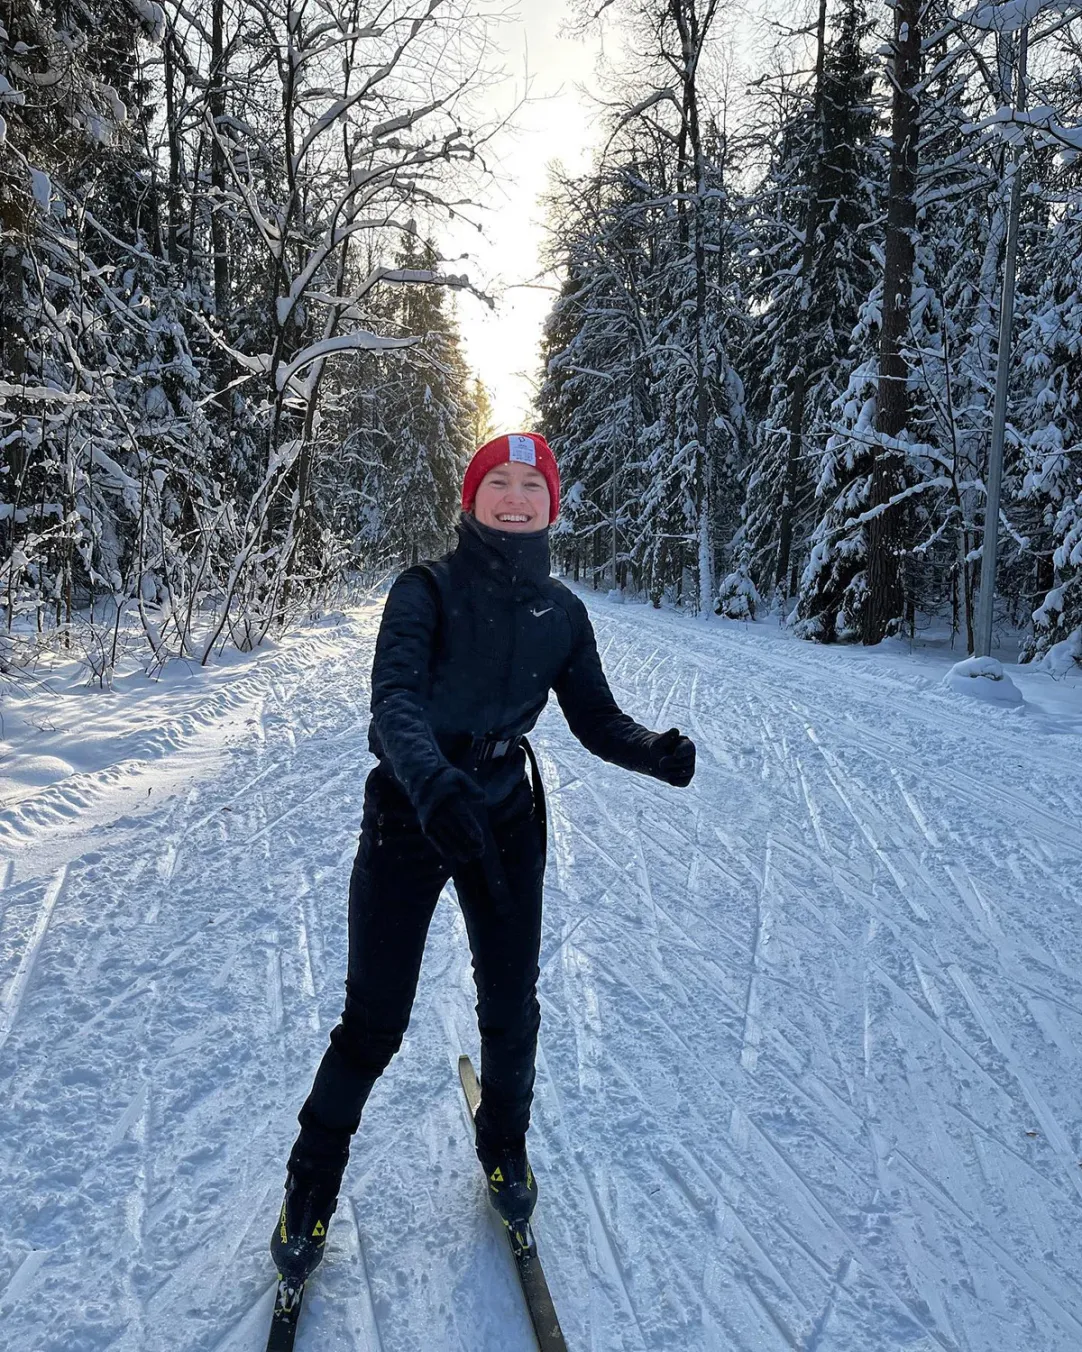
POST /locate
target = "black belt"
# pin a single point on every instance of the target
(491, 863)
(483, 749)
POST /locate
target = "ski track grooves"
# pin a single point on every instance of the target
(809, 1062)
(13, 997)
(752, 1035)
(370, 1339)
(611, 1266)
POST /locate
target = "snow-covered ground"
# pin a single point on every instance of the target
(811, 1062)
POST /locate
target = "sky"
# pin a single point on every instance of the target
(558, 122)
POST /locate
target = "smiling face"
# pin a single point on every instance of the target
(513, 497)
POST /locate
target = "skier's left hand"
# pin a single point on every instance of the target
(675, 758)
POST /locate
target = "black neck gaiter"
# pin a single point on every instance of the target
(525, 556)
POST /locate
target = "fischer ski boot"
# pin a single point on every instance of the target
(512, 1189)
(298, 1239)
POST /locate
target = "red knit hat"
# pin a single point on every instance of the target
(526, 447)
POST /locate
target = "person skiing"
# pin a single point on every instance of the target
(469, 648)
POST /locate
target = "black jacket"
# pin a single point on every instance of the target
(480, 661)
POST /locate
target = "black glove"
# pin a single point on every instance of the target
(455, 822)
(674, 758)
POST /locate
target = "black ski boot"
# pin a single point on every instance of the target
(511, 1186)
(301, 1232)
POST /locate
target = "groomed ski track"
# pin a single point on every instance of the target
(811, 1057)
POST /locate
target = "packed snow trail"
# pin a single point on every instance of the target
(811, 1057)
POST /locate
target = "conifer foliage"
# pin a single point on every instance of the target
(641, 394)
(808, 322)
(201, 305)
(814, 223)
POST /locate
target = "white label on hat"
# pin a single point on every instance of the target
(522, 448)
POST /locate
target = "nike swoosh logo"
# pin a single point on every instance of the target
(539, 613)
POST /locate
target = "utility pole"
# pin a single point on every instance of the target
(983, 636)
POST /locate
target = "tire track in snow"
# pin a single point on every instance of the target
(122, 1225)
(814, 813)
(1012, 806)
(867, 738)
(832, 1223)
(659, 1073)
(658, 719)
(733, 1224)
(1070, 1321)
(841, 1275)
(133, 1113)
(319, 792)
(275, 1013)
(918, 816)
(968, 893)
(921, 877)
(748, 1128)
(308, 973)
(937, 712)
(622, 882)
(704, 740)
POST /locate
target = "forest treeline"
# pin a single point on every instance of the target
(769, 373)
(229, 366)
(230, 373)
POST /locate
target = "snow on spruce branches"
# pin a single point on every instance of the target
(211, 216)
(850, 204)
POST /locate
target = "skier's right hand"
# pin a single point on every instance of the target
(455, 822)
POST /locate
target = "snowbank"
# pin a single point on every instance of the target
(983, 678)
(1062, 658)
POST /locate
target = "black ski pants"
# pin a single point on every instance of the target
(396, 881)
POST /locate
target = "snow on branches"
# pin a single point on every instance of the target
(204, 209)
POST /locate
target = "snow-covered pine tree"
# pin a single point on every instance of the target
(884, 522)
(409, 422)
(936, 461)
(186, 191)
(593, 399)
(700, 389)
(963, 193)
(680, 405)
(482, 426)
(101, 464)
(814, 235)
(1047, 417)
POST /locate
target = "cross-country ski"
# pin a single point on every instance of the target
(285, 1318)
(520, 1241)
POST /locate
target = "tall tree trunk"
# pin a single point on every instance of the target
(218, 240)
(883, 603)
(693, 30)
(172, 130)
(216, 101)
(13, 366)
(798, 382)
(798, 373)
